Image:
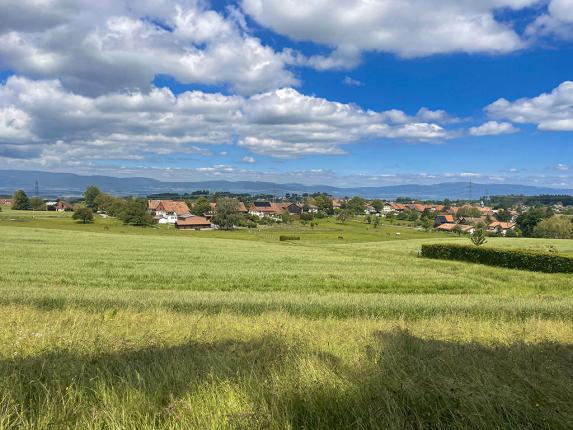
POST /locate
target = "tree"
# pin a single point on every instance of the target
(555, 228)
(412, 214)
(20, 201)
(368, 219)
(201, 206)
(427, 223)
(356, 205)
(478, 237)
(503, 215)
(343, 216)
(37, 204)
(227, 213)
(468, 212)
(457, 229)
(376, 221)
(377, 204)
(324, 204)
(83, 214)
(527, 221)
(286, 217)
(90, 196)
(134, 212)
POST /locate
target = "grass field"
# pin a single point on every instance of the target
(153, 328)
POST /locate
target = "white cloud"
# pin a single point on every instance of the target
(562, 167)
(128, 125)
(409, 28)
(549, 111)
(248, 159)
(558, 21)
(352, 82)
(96, 47)
(493, 128)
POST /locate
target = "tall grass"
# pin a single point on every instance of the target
(39, 258)
(113, 331)
(158, 369)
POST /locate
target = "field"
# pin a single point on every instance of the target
(107, 326)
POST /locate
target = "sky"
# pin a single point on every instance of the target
(335, 92)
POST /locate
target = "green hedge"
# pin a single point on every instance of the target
(510, 258)
(283, 238)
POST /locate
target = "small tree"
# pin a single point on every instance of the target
(37, 204)
(227, 213)
(368, 219)
(83, 214)
(134, 212)
(90, 196)
(458, 230)
(286, 217)
(478, 237)
(343, 215)
(201, 206)
(377, 204)
(376, 221)
(20, 201)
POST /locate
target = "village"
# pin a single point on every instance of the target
(200, 213)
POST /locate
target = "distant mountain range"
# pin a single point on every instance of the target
(71, 185)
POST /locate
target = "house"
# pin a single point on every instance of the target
(167, 211)
(266, 209)
(397, 207)
(499, 227)
(193, 222)
(337, 203)
(467, 220)
(293, 209)
(6, 202)
(451, 227)
(443, 219)
(62, 206)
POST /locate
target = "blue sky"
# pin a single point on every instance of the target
(351, 92)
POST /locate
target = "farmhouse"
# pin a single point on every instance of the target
(193, 222)
(62, 206)
(451, 227)
(6, 202)
(267, 209)
(443, 219)
(167, 211)
(499, 227)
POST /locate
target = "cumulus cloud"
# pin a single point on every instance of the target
(549, 111)
(493, 128)
(282, 123)
(248, 159)
(352, 82)
(558, 21)
(562, 167)
(408, 28)
(96, 47)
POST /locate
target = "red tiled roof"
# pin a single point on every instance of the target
(176, 207)
(502, 225)
(193, 220)
(451, 227)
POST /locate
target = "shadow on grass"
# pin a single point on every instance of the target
(401, 381)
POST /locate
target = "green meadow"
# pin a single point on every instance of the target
(104, 326)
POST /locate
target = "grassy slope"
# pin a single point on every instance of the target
(100, 329)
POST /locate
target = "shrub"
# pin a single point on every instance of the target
(509, 258)
(285, 238)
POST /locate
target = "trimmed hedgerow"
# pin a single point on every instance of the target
(283, 238)
(509, 258)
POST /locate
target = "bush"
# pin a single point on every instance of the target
(284, 238)
(509, 258)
